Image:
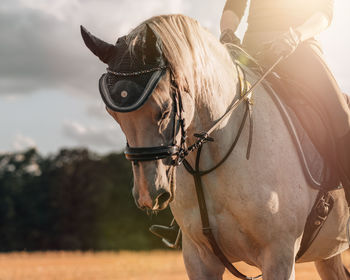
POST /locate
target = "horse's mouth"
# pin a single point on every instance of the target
(162, 201)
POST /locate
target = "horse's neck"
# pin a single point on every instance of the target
(206, 115)
(208, 111)
(211, 106)
(272, 145)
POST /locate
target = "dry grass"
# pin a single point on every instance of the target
(154, 265)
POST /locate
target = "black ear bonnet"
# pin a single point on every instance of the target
(131, 78)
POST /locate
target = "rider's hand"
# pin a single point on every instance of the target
(229, 36)
(282, 46)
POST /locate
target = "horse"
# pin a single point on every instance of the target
(257, 208)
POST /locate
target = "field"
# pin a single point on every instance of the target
(154, 265)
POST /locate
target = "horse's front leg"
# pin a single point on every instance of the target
(200, 262)
(278, 262)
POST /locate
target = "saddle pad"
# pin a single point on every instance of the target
(317, 165)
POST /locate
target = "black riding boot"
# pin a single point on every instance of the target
(171, 236)
(343, 146)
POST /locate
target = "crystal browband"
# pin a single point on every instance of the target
(136, 73)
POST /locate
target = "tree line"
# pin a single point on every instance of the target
(73, 200)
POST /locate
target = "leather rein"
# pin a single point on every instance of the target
(181, 151)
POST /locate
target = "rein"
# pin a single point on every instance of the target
(233, 107)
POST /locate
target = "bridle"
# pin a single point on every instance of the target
(181, 151)
(178, 154)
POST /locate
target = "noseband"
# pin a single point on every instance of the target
(150, 153)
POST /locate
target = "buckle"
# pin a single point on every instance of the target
(203, 137)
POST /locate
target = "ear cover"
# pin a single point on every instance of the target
(152, 47)
(104, 51)
(131, 77)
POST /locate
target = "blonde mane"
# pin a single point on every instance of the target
(200, 63)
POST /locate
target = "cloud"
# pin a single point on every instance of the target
(100, 137)
(22, 142)
(40, 52)
(58, 8)
(41, 47)
(97, 111)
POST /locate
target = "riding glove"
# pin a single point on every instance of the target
(282, 46)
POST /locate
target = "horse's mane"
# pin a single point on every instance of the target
(200, 63)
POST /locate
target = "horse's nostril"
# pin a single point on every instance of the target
(164, 197)
(143, 208)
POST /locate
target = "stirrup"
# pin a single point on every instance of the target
(174, 243)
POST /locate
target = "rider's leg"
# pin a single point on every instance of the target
(343, 145)
(344, 142)
(307, 66)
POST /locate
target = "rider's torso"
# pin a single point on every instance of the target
(269, 18)
(279, 15)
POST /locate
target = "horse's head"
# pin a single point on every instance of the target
(163, 79)
(140, 94)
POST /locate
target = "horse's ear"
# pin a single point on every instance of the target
(101, 49)
(152, 45)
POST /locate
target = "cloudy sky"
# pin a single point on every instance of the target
(48, 79)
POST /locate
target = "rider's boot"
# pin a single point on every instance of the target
(171, 235)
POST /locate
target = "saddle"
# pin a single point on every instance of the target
(312, 140)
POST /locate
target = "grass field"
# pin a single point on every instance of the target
(156, 265)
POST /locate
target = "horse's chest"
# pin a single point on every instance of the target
(232, 237)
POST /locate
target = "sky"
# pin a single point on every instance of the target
(49, 95)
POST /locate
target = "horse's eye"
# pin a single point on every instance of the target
(164, 115)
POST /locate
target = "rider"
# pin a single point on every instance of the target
(287, 28)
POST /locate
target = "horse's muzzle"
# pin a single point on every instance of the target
(154, 201)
